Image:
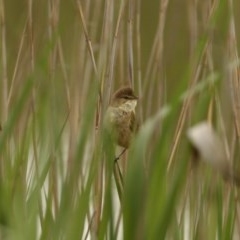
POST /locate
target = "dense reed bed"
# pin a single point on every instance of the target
(60, 63)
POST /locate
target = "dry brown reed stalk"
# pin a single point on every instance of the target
(99, 178)
(29, 30)
(4, 88)
(77, 84)
(159, 57)
(88, 40)
(131, 8)
(105, 41)
(234, 82)
(234, 72)
(193, 25)
(109, 81)
(155, 62)
(120, 57)
(78, 87)
(64, 71)
(138, 58)
(85, 71)
(17, 64)
(53, 21)
(104, 49)
(90, 49)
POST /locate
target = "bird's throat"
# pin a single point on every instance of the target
(128, 106)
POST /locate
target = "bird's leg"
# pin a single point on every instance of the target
(118, 175)
(117, 158)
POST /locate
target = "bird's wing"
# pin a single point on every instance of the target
(133, 123)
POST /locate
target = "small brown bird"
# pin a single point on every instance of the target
(120, 116)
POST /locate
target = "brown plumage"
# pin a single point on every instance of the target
(125, 92)
(121, 116)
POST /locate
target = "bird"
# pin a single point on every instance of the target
(121, 117)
